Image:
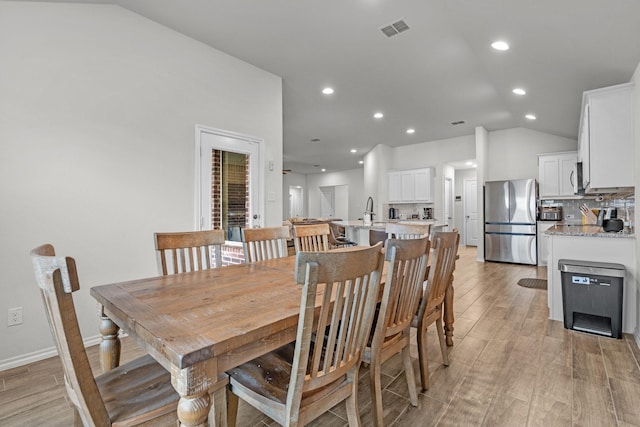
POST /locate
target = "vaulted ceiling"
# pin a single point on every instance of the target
(441, 70)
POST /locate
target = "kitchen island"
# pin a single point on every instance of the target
(358, 232)
(591, 243)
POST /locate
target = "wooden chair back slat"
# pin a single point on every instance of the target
(397, 230)
(58, 279)
(189, 251)
(261, 244)
(311, 238)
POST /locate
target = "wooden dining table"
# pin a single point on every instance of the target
(200, 324)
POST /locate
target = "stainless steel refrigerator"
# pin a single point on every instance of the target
(510, 221)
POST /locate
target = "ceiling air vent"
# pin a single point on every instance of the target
(458, 122)
(395, 28)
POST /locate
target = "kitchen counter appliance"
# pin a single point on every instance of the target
(550, 213)
(510, 221)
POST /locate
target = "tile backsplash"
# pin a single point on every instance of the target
(571, 208)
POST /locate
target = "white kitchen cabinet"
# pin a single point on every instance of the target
(411, 186)
(606, 139)
(557, 174)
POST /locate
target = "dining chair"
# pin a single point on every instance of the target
(189, 251)
(300, 381)
(337, 238)
(138, 392)
(311, 237)
(444, 253)
(376, 236)
(406, 261)
(399, 230)
(265, 243)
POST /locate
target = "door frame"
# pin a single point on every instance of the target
(261, 187)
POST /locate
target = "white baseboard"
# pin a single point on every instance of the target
(636, 336)
(36, 356)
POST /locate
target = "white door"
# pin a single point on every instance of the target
(448, 203)
(207, 140)
(470, 212)
(327, 202)
(295, 201)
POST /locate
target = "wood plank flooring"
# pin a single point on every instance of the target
(509, 366)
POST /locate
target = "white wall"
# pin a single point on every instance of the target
(97, 137)
(353, 178)
(376, 164)
(434, 153)
(513, 153)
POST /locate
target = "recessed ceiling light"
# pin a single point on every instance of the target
(519, 91)
(327, 91)
(353, 150)
(411, 130)
(530, 117)
(361, 162)
(500, 45)
(475, 166)
(469, 163)
(378, 115)
(323, 170)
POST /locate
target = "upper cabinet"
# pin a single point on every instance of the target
(411, 186)
(605, 144)
(557, 174)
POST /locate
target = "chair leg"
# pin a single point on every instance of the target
(422, 357)
(411, 379)
(353, 413)
(443, 343)
(376, 393)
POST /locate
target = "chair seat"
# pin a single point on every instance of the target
(269, 376)
(138, 390)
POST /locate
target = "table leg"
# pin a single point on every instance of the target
(110, 345)
(197, 408)
(448, 314)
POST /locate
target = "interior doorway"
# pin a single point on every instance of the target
(295, 201)
(334, 201)
(470, 202)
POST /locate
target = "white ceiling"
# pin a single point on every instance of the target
(441, 70)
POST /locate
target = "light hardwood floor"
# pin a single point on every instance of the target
(509, 366)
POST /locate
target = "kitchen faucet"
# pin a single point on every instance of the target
(368, 213)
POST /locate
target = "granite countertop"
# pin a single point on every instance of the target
(587, 231)
(380, 225)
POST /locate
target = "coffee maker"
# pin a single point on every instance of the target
(428, 213)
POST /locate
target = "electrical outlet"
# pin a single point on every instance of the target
(14, 316)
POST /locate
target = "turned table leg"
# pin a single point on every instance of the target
(448, 313)
(197, 407)
(110, 345)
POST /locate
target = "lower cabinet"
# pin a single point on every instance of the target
(543, 241)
